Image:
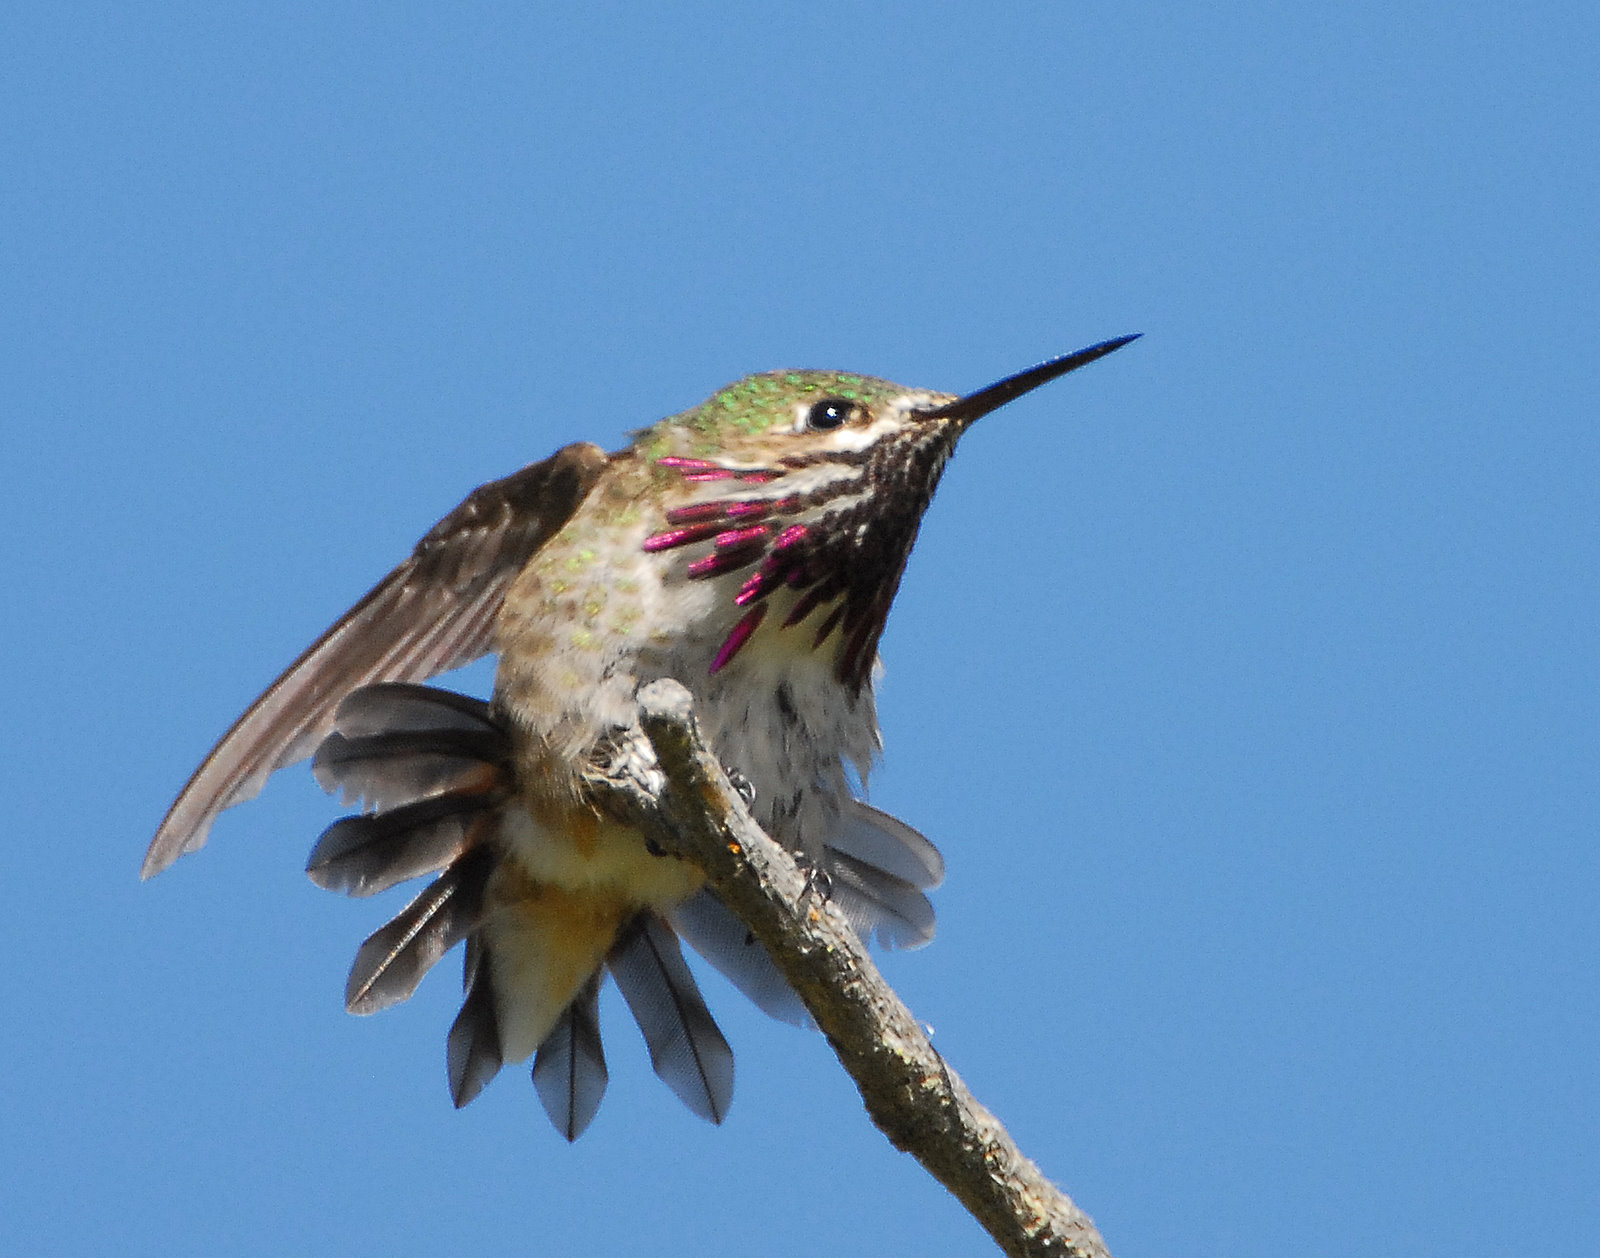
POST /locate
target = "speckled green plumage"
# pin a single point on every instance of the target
(755, 404)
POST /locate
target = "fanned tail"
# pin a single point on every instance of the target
(436, 769)
(432, 765)
(396, 743)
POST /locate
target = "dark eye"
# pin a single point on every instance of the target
(831, 412)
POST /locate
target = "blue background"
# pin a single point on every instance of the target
(1247, 679)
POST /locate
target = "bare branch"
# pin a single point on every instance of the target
(910, 1092)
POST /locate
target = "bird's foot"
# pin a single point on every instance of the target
(743, 785)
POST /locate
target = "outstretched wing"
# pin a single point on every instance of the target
(436, 611)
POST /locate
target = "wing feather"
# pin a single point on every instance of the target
(434, 612)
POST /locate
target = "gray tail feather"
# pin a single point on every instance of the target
(569, 1070)
(879, 905)
(433, 765)
(472, 1052)
(878, 867)
(884, 842)
(709, 927)
(380, 771)
(687, 1049)
(369, 853)
(397, 743)
(393, 960)
(391, 707)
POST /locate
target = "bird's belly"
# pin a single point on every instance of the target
(579, 851)
(571, 881)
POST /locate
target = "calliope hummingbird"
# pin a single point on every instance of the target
(750, 548)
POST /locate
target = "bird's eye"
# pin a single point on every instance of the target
(831, 412)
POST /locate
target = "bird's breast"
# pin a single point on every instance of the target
(595, 614)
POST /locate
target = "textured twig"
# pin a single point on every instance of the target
(910, 1092)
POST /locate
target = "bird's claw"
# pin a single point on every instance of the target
(819, 882)
(743, 785)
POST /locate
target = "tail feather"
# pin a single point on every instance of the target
(366, 854)
(876, 838)
(382, 771)
(879, 905)
(569, 1071)
(472, 1052)
(393, 960)
(388, 707)
(687, 1049)
(712, 929)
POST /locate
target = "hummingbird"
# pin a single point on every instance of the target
(749, 547)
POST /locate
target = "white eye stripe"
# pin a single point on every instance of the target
(821, 478)
(855, 440)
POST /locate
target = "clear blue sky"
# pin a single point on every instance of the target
(1248, 679)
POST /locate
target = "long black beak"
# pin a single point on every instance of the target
(1011, 388)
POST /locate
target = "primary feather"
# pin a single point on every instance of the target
(436, 611)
